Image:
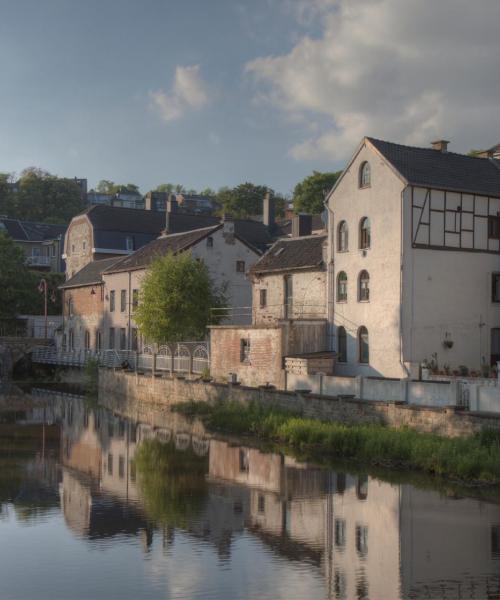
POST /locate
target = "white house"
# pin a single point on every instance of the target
(414, 260)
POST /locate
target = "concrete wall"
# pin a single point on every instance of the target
(381, 203)
(309, 296)
(129, 388)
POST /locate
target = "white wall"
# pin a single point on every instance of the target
(381, 202)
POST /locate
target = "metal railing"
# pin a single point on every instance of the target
(246, 315)
(185, 357)
(38, 261)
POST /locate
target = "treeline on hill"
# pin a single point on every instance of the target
(37, 195)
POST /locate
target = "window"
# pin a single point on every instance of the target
(243, 460)
(123, 300)
(362, 487)
(340, 533)
(111, 300)
(129, 243)
(494, 227)
(53, 251)
(341, 483)
(210, 242)
(71, 339)
(343, 237)
(263, 298)
(288, 296)
(363, 347)
(123, 339)
(134, 338)
(70, 306)
(110, 464)
(341, 344)
(364, 175)
(362, 540)
(111, 338)
(245, 350)
(364, 287)
(84, 245)
(135, 298)
(364, 233)
(342, 287)
(495, 287)
(240, 266)
(121, 467)
(72, 248)
(87, 340)
(261, 504)
(98, 341)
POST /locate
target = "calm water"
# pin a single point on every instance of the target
(94, 505)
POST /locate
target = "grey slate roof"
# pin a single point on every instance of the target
(175, 242)
(90, 274)
(290, 254)
(444, 170)
(31, 231)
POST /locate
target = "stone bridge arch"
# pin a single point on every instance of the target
(15, 349)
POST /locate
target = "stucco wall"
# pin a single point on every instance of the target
(381, 203)
(309, 296)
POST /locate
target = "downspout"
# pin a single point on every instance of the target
(330, 278)
(401, 265)
(129, 303)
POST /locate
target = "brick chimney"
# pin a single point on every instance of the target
(269, 216)
(440, 145)
(301, 225)
(228, 229)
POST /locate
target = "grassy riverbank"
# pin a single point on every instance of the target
(474, 459)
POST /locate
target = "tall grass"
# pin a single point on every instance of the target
(472, 459)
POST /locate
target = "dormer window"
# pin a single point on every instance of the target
(129, 243)
(364, 175)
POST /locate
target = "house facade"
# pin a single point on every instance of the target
(414, 242)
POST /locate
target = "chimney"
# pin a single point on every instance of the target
(301, 225)
(268, 217)
(148, 201)
(228, 229)
(172, 204)
(440, 145)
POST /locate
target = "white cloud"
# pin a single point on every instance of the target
(188, 93)
(405, 71)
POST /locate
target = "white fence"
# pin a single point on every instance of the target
(480, 396)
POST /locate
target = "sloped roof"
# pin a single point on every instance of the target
(289, 254)
(444, 170)
(283, 228)
(31, 231)
(90, 274)
(253, 233)
(175, 242)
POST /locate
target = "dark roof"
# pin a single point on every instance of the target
(253, 233)
(292, 253)
(90, 274)
(175, 242)
(444, 170)
(283, 228)
(31, 231)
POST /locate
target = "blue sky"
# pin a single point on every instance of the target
(217, 92)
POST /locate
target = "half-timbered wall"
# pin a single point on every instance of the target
(444, 220)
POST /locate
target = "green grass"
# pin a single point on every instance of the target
(474, 459)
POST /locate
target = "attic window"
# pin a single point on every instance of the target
(210, 242)
(279, 251)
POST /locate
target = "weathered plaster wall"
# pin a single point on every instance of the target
(78, 245)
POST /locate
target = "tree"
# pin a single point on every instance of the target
(309, 194)
(16, 282)
(105, 186)
(40, 196)
(246, 200)
(165, 187)
(176, 299)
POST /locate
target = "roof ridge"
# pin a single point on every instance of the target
(448, 152)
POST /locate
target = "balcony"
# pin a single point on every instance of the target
(38, 261)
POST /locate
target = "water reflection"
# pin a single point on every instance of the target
(300, 530)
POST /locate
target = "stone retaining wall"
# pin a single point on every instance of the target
(131, 388)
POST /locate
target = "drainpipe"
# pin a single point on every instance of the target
(129, 302)
(330, 278)
(402, 240)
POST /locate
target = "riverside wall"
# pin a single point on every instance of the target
(132, 391)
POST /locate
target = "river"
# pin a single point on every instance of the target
(95, 504)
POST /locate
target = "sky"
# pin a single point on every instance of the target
(218, 92)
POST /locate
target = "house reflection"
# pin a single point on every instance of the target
(368, 538)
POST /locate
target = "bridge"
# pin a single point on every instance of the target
(13, 349)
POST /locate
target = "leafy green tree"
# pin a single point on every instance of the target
(309, 194)
(40, 196)
(176, 299)
(16, 282)
(246, 200)
(105, 186)
(165, 187)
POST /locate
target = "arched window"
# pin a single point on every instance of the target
(343, 239)
(87, 339)
(364, 287)
(342, 287)
(363, 346)
(364, 175)
(364, 233)
(341, 345)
